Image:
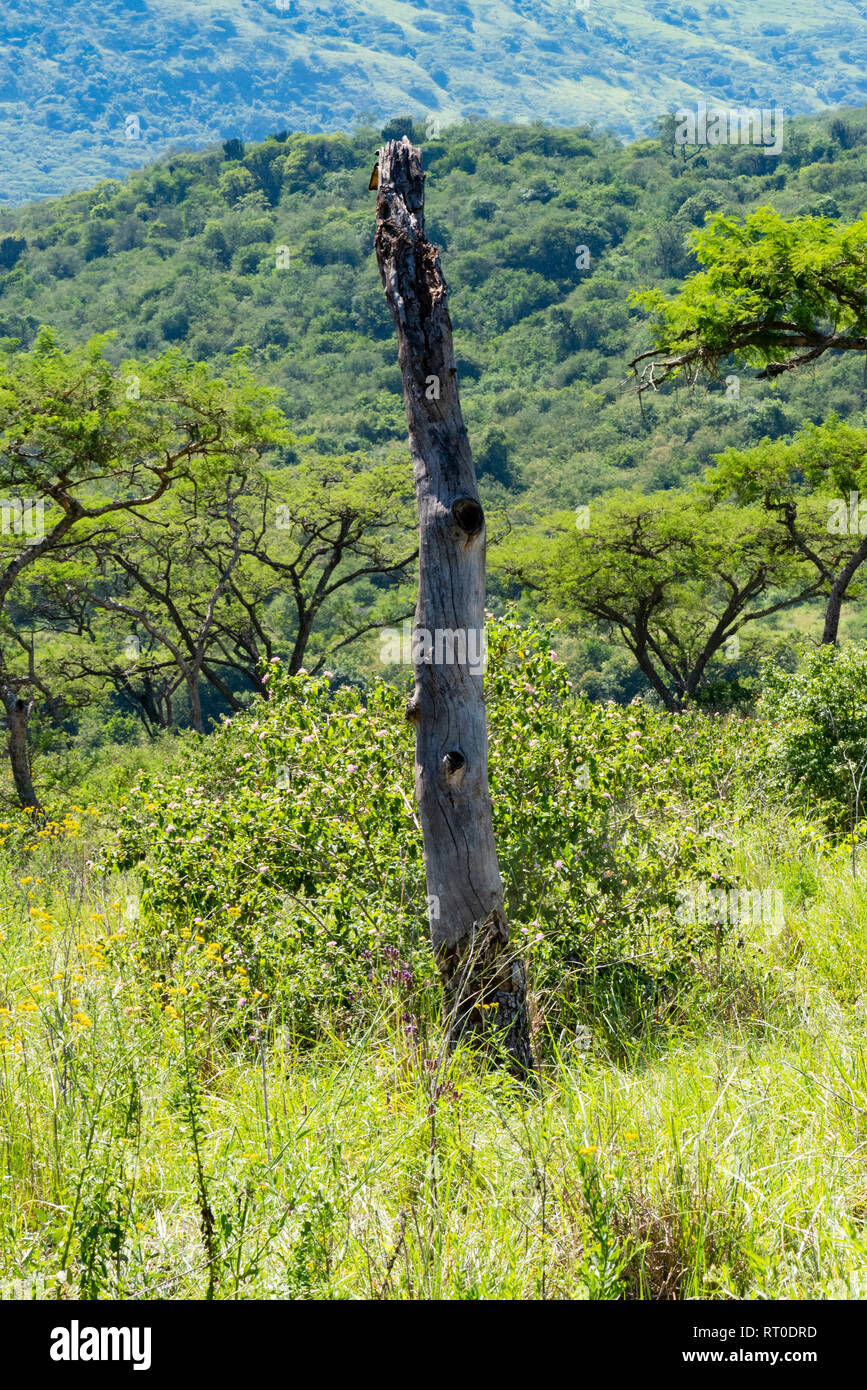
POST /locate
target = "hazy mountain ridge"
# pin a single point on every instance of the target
(192, 71)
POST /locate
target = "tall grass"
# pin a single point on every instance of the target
(716, 1151)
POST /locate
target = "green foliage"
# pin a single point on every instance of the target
(185, 253)
(830, 457)
(675, 579)
(164, 1140)
(88, 451)
(191, 263)
(74, 424)
(816, 732)
(601, 813)
(286, 858)
(11, 248)
(164, 1131)
(769, 289)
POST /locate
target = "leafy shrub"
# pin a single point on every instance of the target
(816, 731)
(601, 814)
(287, 853)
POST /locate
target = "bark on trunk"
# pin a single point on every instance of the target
(838, 594)
(483, 980)
(296, 659)
(17, 718)
(195, 700)
(832, 617)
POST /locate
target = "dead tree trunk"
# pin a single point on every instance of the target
(483, 980)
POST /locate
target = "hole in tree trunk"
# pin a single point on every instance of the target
(454, 764)
(469, 515)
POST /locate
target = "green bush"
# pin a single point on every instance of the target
(286, 855)
(815, 722)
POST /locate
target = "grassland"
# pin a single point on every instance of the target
(715, 1150)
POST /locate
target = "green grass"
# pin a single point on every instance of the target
(721, 1156)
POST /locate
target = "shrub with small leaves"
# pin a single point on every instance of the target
(285, 856)
(815, 732)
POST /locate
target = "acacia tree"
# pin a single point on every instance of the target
(209, 583)
(674, 578)
(774, 292)
(82, 443)
(149, 575)
(308, 535)
(483, 980)
(813, 486)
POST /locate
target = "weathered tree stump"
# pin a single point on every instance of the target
(483, 980)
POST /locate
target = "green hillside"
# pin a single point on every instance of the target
(268, 248)
(185, 253)
(191, 72)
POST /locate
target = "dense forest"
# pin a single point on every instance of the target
(227, 1066)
